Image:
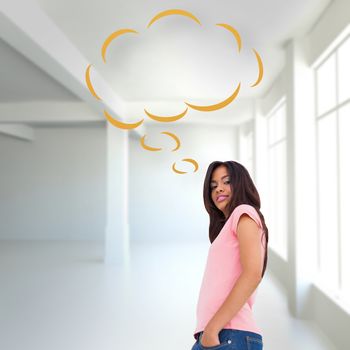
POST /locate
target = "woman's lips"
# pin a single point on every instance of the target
(221, 198)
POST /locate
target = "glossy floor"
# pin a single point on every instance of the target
(60, 295)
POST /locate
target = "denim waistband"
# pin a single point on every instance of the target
(239, 332)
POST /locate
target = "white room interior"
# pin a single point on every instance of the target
(102, 244)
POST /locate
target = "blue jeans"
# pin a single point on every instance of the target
(232, 339)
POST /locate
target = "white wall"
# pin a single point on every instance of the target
(332, 22)
(277, 90)
(54, 187)
(306, 299)
(163, 205)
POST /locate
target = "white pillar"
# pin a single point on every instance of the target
(302, 229)
(260, 157)
(117, 227)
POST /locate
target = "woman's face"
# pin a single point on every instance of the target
(221, 188)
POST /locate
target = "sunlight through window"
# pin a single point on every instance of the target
(332, 79)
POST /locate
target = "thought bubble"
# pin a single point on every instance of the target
(167, 119)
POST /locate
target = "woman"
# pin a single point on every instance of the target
(236, 260)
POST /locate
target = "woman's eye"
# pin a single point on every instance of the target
(226, 182)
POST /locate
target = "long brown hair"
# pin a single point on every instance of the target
(244, 192)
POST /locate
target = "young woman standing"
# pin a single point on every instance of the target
(236, 261)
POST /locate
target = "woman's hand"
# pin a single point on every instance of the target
(210, 338)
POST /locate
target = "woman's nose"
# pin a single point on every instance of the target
(218, 189)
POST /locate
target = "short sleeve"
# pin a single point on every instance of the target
(244, 209)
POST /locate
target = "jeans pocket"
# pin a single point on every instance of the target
(254, 343)
(222, 344)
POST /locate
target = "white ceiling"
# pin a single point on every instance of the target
(175, 60)
(21, 80)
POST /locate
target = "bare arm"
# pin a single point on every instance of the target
(250, 257)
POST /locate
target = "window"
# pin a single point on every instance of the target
(277, 175)
(332, 78)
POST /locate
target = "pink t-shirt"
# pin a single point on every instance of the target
(221, 272)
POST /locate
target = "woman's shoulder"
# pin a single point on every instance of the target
(244, 209)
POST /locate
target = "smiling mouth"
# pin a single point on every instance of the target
(221, 198)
